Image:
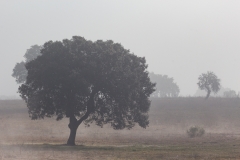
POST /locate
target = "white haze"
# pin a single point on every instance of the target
(181, 39)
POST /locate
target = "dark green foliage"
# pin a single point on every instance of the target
(88, 81)
(209, 82)
(165, 87)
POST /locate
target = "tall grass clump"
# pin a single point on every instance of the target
(195, 131)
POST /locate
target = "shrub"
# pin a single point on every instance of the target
(195, 131)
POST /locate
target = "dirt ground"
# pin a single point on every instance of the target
(165, 138)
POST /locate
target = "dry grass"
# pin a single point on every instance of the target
(165, 138)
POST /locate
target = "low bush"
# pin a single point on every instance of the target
(195, 131)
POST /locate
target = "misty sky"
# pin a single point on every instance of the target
(181, 39)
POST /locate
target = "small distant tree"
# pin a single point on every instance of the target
(165, 86)
(230, 94)
(19, 71)
(88, 82)
(209, 82)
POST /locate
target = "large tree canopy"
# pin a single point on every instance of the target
(165, 86)
(209, 82)
(88, 82)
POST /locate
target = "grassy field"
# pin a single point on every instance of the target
(165, 138)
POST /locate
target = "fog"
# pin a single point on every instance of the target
(181, 39)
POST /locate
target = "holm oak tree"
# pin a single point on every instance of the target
(165, 86)
(88, 82)
(19, 71)
(209, 82)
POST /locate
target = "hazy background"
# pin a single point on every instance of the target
(179, 38)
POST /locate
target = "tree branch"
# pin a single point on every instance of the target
(90, 108)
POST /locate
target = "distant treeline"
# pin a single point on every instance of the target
(165, 86)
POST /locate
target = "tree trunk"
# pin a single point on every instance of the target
(72, 136)
(208, 94)
(74, 123)
(73, 126)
